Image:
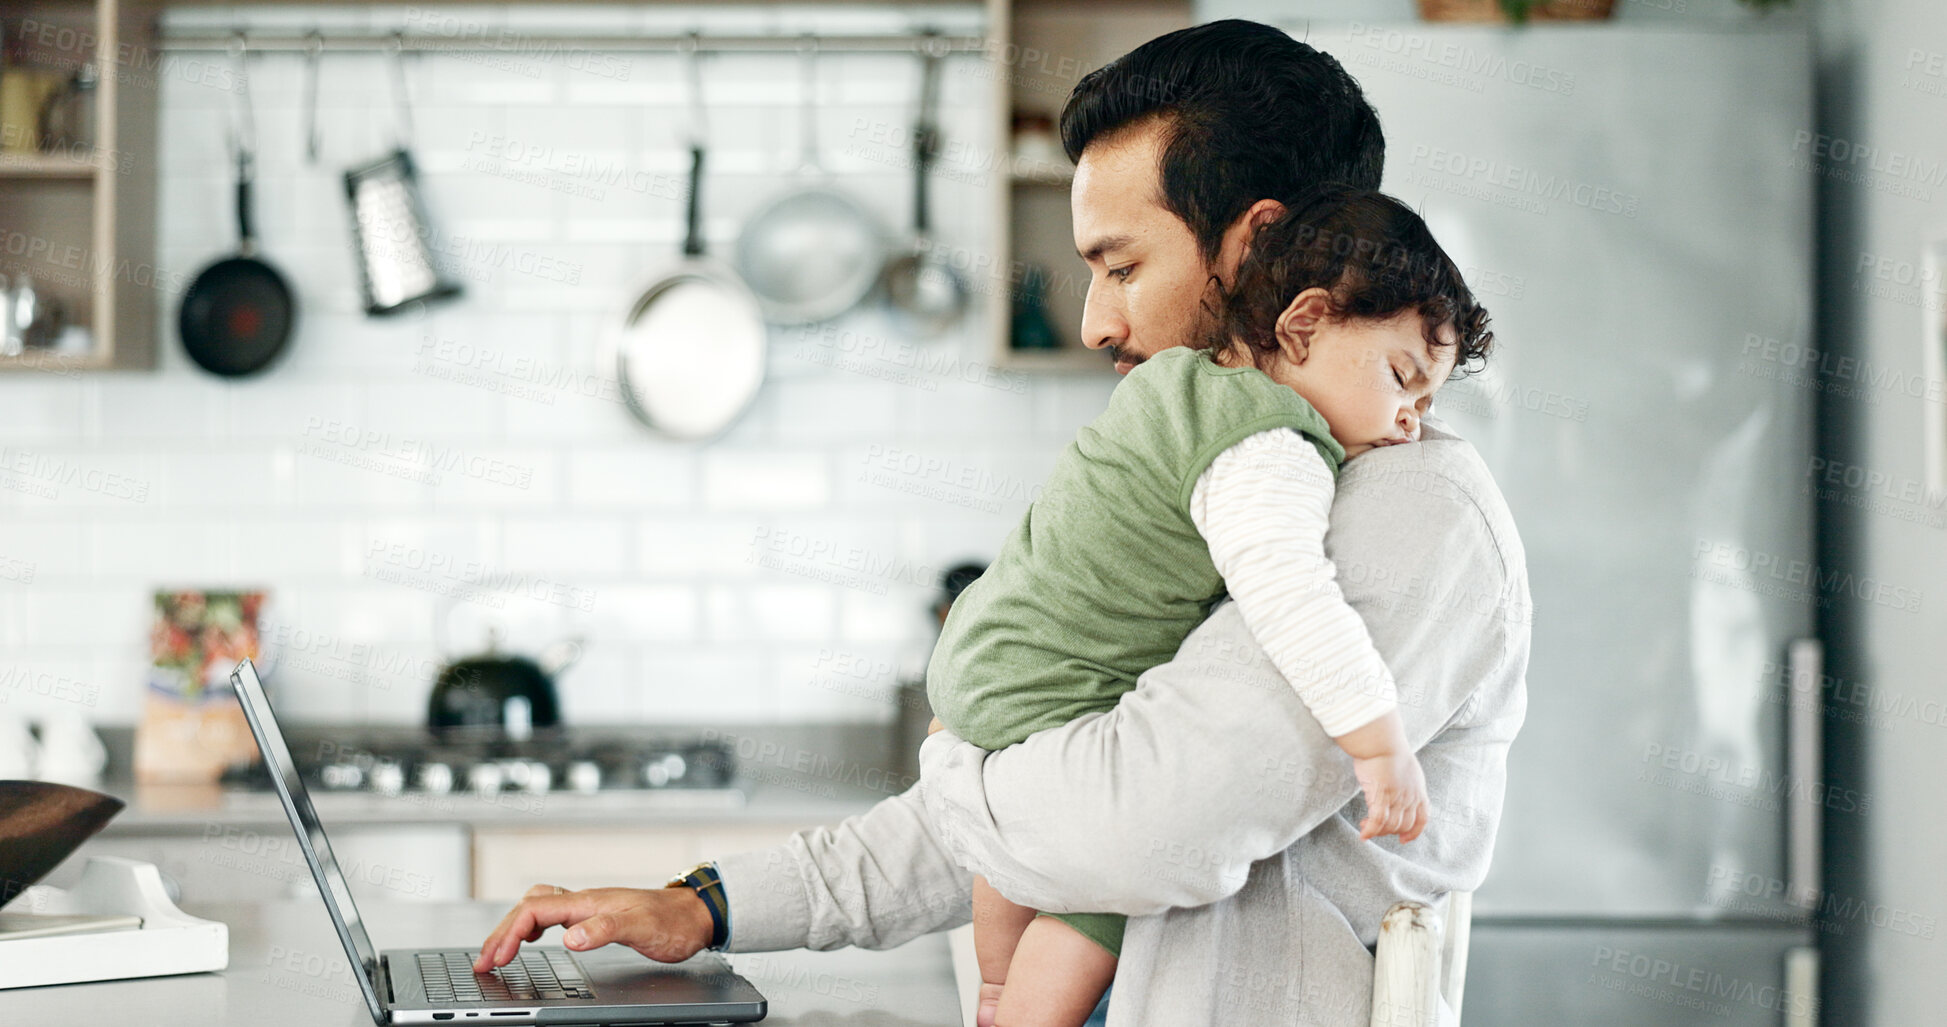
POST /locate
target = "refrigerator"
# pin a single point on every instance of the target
(1634, 207)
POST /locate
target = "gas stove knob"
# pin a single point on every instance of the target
(341, 777)
(435, 778)
(388, 778)
(585, 776)
(663, 770)
(484, 779)
(530, 776)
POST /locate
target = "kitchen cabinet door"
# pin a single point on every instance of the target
(507, 861)
(242, 863)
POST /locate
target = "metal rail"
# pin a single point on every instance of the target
(503, 40)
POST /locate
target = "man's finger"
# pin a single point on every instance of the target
(500, 931)
(528, 920)
(592, 933)
(480, 963)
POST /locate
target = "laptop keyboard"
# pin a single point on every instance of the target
(449, 977)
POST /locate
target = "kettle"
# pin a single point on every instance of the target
(499, 695)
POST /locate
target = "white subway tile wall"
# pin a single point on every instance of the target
(404, 486)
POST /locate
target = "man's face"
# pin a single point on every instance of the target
(1147, 278)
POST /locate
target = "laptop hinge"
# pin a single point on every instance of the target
(384, 984)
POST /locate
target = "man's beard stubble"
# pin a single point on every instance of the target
(1206, 331)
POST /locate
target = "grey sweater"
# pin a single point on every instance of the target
(1208, 805)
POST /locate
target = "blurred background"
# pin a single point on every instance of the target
(434, 442)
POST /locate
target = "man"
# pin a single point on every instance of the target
(1209, 805)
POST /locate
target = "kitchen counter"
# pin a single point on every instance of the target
(192, 808)
(287, 968)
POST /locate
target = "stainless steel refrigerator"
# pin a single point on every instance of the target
(1634, 205)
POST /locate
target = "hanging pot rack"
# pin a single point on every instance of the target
(519, 42)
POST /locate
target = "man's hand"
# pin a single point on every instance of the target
(668, 925)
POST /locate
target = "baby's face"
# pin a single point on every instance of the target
(1372, 380)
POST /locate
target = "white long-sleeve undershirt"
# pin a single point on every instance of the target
(1263, 507)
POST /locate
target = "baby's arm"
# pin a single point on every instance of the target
(1263, 506)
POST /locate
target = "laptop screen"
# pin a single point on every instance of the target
(310, 833)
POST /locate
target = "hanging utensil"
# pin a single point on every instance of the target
(814, 252)
(927, 295)
(236, 317)
(389, 223)
(313, 71)
(690, 353)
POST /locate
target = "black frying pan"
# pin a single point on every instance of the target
(237, 315)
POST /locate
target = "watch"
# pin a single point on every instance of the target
(708, 885)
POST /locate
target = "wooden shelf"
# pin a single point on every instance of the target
(40, 165)
(55, 363)
(87, 228)
(1023, 171)
(1030, 203)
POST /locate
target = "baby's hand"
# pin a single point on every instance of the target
(934, 727)
(1396, 801)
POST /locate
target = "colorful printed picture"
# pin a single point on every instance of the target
(198, 638)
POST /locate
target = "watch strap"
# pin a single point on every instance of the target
(708, 885)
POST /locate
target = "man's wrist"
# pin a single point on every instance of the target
(706, 884)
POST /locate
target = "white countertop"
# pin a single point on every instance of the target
(170, 808)
(286, 968)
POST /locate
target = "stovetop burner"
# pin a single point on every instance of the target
(489, 767)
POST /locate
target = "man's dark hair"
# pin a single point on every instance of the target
(1372, 253)
(1251, 114)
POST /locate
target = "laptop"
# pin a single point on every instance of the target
(543, 985)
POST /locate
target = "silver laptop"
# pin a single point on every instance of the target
(612, 985)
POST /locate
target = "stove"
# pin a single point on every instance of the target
(490, 767)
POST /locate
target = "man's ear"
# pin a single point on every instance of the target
(1300, 319)
(1237, 238)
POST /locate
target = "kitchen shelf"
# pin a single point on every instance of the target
(38, 165)
(57, 363)
(89, 220)
(1030, 203)
(1025, 172)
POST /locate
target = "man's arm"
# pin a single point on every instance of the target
(1212, 762)
(876, 880)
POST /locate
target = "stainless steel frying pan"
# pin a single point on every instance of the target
(690, 353)
(816, 251)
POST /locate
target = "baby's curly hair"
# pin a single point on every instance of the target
(1374, 255)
